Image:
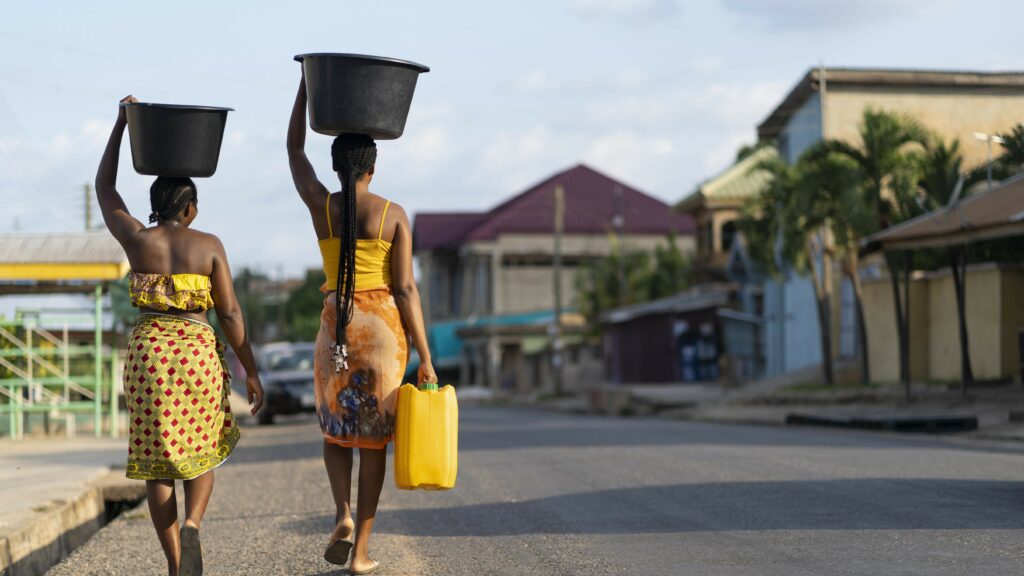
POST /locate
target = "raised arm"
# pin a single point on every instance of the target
(115, 214)
(313, 193)
(229, 313)
(407, 295)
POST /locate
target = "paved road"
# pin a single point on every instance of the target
(544, 493)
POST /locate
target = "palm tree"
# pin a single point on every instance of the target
(784, 228)
(831, 198)
(1012, 159)
(942, 174)
(886, 163)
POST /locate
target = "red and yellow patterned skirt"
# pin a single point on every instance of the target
(356, 407)
(176, 389)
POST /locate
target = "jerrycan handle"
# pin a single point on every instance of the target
(432, 386)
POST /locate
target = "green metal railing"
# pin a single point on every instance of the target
(42, 373)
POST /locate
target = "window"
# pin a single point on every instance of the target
(728, 235)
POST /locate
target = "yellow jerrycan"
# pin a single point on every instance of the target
(426, 438)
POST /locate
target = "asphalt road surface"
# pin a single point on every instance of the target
(545, 493)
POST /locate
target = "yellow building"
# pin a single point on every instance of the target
(994, 302)
(993, 293)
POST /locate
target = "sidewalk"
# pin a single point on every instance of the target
(55, 493)
(998, 411)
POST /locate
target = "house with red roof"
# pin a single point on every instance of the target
(495, 268)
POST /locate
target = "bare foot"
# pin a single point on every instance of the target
(362, 565)
(343, 530)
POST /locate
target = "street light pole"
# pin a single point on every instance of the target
(989, 139)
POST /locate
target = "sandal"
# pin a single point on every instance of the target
(376, 565)
(191, 563)
(337, 552)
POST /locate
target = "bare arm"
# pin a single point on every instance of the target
(312, 192)
(229, 313)
(407, 295)
(115, 213)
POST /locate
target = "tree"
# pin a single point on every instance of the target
(625, 278)
(796, 221)
(942, 173)
(670, 273)
(304, 305)
(887, 160)
(1012, 159)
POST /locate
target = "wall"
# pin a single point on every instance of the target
(950, 112)
(803, 129)
(791, 333)
(1012, 313)
(995, 312)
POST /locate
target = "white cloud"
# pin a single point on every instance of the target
(799, 14)
(637, 9)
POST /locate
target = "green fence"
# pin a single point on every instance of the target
(42, 372)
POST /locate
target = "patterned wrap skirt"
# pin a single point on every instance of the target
(176, 389)
(356, 407)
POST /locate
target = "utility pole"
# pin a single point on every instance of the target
(88, 206)
(619, 223)
(556, 339)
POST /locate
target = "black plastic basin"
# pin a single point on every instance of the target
(361, 94)
(175, 140)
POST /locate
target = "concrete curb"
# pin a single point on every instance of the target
(42, 541)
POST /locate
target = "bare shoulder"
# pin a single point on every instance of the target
(207, 241)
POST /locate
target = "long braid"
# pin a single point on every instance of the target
(354, 155)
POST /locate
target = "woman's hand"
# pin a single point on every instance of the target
(122, 116)
(255, 392)
(427, 374)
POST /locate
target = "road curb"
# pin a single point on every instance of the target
(41, 542)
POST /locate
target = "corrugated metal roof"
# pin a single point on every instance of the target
(590, 205)
(697, 298)
(737, 182)
(995, 213)
(97, 247)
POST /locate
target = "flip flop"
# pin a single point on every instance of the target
(337, 552)
(191, 563)
(373, 568)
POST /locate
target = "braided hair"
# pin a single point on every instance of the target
(168, 196)
(353, 156)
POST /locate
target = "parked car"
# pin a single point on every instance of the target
(286, 369)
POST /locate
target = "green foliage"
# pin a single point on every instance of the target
(670, 273)
(1012, 159)
(628, 278)
(304, 306)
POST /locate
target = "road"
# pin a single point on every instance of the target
(546, 493)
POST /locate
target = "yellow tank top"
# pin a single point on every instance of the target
(373, 257)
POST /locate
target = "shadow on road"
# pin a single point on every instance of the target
(852, 504)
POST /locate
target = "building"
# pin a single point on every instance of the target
(495, 268)
(992, 301)
(716, 204)
(696, 336)
(829, 103)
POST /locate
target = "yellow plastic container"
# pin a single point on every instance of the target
(426, 438)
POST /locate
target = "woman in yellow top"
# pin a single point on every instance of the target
(370, 313)
(175, 382)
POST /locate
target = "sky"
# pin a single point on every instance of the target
(657, 93)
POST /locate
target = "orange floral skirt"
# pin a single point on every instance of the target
(356, 407)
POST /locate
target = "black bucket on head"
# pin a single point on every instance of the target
(360, 94)
(175, 140)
